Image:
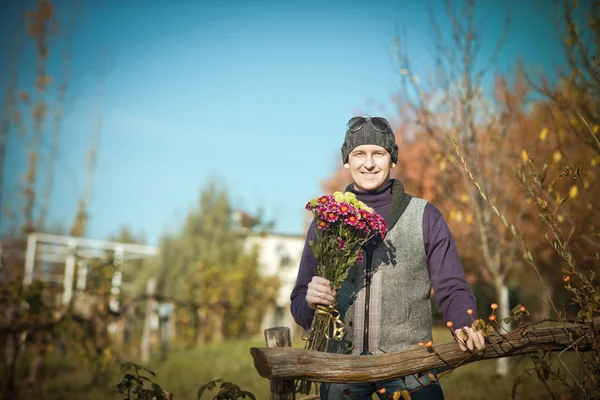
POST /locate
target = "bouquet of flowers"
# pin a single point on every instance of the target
(344, 226)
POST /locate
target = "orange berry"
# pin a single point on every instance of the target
(382, 391)
(469, 311)
(492, 317)
(522, 309)
(429, 344)
(449, 324)
(421, 344)
(494, 306)
(566, 278)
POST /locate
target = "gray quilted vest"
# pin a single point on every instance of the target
(400, 264)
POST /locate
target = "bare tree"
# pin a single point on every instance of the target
(452, 104)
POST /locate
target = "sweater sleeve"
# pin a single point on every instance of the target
(453, 295)
(301, 312)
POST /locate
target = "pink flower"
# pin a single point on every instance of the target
(360, 257)
(322, 225)
(331, 216)
(325, 199)
(351, 220)
(341, 244)
(345, 208)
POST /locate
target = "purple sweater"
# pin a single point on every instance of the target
(453, 295)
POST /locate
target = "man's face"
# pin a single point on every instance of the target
(370, 167)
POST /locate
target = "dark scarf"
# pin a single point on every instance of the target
(400, 201)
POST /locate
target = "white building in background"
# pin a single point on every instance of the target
(279, 255)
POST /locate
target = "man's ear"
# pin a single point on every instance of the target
(346, 165)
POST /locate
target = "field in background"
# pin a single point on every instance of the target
(185, 370)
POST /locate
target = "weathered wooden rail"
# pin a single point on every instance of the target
(282, 365)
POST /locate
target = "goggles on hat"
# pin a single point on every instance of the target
(380, 124)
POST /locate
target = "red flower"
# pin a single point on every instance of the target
(341, 244)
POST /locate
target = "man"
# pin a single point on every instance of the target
(385, 300)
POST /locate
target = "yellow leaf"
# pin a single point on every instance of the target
(443, 165)
(573, 192)
(524, 156)
(403, 71)
(406, 395)
(529, 200)
(596, 128)
(560, 218)
(397, 395)
(464, 198)
(594, 162)
(451, 158)
(573, 121)
(453, 215)
(543, 134)
(459, 216)
(557, 156)
(469, 218)
(415, 79)
(586, 184)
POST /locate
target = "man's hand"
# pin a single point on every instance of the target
(319, 292)
(468, 339)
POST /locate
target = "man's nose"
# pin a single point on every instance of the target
(369, 162)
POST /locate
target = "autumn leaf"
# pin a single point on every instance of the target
(543, 134)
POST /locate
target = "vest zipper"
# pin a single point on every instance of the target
(367, 301)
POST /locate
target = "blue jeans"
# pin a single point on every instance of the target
(364, 391)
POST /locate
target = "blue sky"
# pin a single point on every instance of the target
(254, 94)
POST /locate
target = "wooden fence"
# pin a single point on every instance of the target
(282, 365)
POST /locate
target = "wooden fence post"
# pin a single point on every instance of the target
(145, 343)
(280, 389)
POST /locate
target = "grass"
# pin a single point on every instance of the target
(185, 370)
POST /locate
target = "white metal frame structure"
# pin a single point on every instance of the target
(75, 253)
